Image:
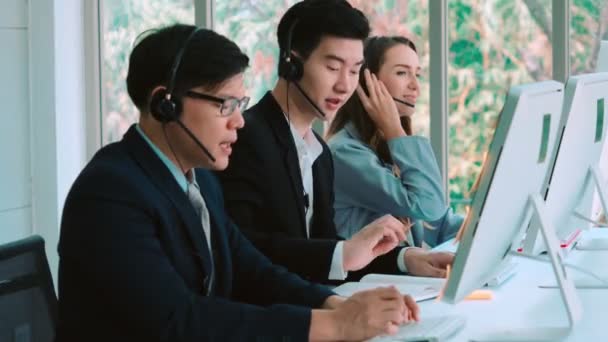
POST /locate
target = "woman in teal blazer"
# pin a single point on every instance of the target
(380, 167)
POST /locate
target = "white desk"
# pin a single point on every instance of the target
(519, 302)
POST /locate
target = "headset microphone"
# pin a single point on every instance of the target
(198, 142)
(309, 99)
(405, 103)
(291, 67)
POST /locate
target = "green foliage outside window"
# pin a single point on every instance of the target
(122, 22)
(493, 44)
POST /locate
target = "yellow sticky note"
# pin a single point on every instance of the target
(480, 295)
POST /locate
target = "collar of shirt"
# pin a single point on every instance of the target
(180, 178)
(308, 147)
(352, 131)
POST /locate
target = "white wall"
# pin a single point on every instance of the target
(69, 94)
(15, 168)
(42, 135)
(58, 111)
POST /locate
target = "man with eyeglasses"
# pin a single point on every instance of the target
(227, 105)
(147, 252)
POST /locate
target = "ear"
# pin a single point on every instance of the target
(156, 91)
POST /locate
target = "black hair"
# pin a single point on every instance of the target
(319, 18)
(208, 60)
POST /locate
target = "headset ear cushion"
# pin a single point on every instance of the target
(291, 70)
(162, 109)
(297, 68)
(284, 67)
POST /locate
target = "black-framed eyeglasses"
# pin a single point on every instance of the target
(228, 104)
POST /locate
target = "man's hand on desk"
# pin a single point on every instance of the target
(367, 314)
(422, 263)
(377, 238)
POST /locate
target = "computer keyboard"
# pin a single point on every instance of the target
(505, 270)
(432, 329)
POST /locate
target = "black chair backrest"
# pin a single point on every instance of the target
(28, 302)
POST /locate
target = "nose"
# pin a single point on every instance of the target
(344, 83)
(236, 120)
(414, 84)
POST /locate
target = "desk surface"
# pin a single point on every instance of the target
(519, 302)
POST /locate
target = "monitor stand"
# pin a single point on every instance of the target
(568, 293)
(533, 245)
(595, 243)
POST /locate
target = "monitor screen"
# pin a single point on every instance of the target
(515, 168)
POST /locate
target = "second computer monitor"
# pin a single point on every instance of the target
(515, 168)
(583, 129)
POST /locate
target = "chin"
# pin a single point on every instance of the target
(221, 163)
(329, 115)
(406, 111)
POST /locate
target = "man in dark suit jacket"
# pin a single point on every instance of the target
(280, 180)
(147, 252)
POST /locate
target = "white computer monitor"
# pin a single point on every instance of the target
(515, 168)
(507, 197)
(571, 184)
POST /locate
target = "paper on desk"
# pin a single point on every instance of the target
(420, 288)
(450, 245)
(400, 279)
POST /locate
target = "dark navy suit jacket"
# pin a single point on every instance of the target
(134, 262)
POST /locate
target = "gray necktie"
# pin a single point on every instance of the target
(195, 197)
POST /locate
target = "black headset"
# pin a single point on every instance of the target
(291, 67)
(164, 106)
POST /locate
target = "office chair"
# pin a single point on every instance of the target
(28, 303)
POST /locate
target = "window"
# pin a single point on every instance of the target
(409, 19)
(492, 46)
(122, 21)
(588, 27)
(253, 24)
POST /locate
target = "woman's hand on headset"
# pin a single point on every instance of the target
(380, 106)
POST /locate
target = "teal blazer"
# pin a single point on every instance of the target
(366, 188)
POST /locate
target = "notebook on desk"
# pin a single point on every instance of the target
(447, 246)
(420, 288)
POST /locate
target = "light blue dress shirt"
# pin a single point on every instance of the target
(366, 188)
(180, 178)
(190, 188)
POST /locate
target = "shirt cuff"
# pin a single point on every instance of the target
(401, 260)
(336, 271)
